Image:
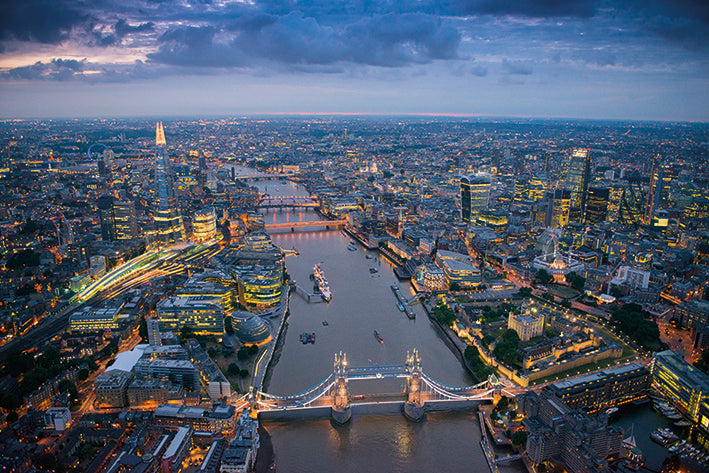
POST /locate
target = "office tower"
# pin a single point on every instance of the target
(577, 179)
(536, 188)
(154, 336)
(125, 226)
(168, 222)
(596, 205)
(560, 208)
(204, 225)
(474, 195)
(659, 192)
(105, 212)
(521, 190)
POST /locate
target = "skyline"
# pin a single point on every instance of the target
(581, 59)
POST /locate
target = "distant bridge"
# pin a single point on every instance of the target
(265, 176)
(267, 201)
(315, 223)
(332, 392)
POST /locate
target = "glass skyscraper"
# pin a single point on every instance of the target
(474, 195)
(168, 221)
(577, 182)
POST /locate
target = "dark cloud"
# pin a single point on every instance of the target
(528, 8)
(516, 68)
(123, 29)
(56, 69)
(43, 21)
(294, 39)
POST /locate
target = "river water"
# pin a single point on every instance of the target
(362, 302)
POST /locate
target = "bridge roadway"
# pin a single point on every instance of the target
(316, 223)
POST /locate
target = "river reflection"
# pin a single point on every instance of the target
(362, 302)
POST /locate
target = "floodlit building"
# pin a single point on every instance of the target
(249, 328)
(204, 225)
(177, 450)
(685, 385)
(527, 325)
(203, 314)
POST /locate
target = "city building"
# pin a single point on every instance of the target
(177, 450)
(204, 225)
(181, 372)
(152, 391)
(603, 389)
(124, 221)
(577, 180)
(221, 418)
(168, 221)
(111, 392)
(596, 205)
(580, 441)
(474, 195)
(560, 208)
(57, 418)
(154, 336)
(692, 313)
(528, 325)
(203, 314)
(458, 269)
(90, 319)
(249, 328)
(686, 386)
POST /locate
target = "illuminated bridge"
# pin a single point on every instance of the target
(420, 389)
(263, 177)
(315, 223)
(280, 202)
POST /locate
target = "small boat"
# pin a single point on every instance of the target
(401, 307)
(306, 338)
(378, 337)
(351, 247)
(373, 270)
(683, 423)
(368, 256)
(612, 411)
(324, 322)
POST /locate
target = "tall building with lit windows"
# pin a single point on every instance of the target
(577, 180)
(204, 225)
(474, 195)
(168, 221)
(203, 314)
(685, 385)
(560, 208)
(125, 225)
(596, 205)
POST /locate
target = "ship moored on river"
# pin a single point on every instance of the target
(322, 283)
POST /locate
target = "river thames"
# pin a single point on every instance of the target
(362, 302)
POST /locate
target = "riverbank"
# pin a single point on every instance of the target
(265, 458)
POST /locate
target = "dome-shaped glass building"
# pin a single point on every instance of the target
(249, 328)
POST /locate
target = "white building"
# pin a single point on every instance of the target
(57, 418)
(635, 278)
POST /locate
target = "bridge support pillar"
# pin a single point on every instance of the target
(341, 411)
(414, 405)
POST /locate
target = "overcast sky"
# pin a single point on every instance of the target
(636, 59)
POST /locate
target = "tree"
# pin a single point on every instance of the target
(243, 373)
(507, 348)
(565, 303)
(548, 296)
(544, 277)
(66, 386)
(228, 328)
(454, 287)
(233, 369)
(10, 401)
(503, 404)
(525, 291)
(242, 354)
(186, 332)
(444, 314)
(83, 374)
(11, 417)
(519, 437)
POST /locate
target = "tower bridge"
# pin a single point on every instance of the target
(420, 390)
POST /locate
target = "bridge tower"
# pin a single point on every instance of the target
(253, 400)
(341, 410)
(414, 405)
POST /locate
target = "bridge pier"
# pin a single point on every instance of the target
(341, 410)
(414, 405)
